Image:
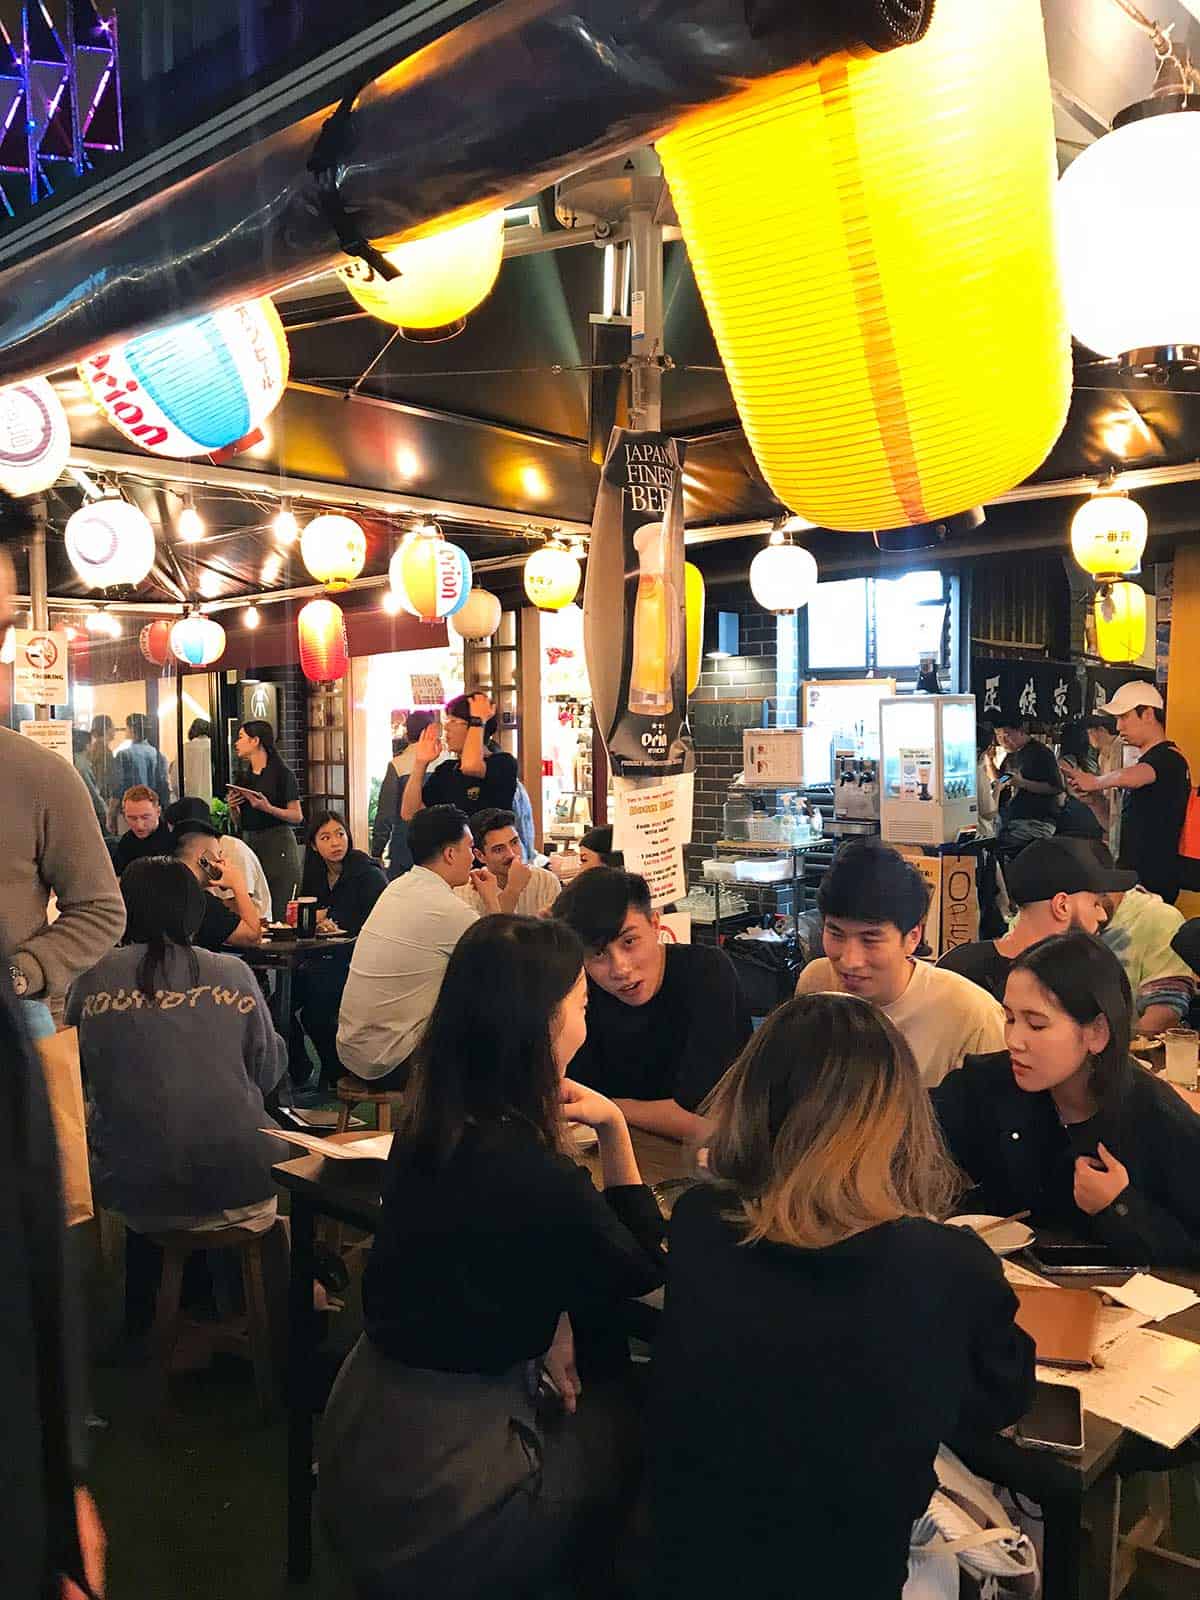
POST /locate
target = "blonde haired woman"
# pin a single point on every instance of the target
(823, 1333)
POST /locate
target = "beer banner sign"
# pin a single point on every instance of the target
(635, 623)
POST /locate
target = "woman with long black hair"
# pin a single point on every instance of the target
(490, 1235)
(345, 883)
(267, 805)
(1066, 1125)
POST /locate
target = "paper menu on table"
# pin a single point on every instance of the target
(1022, 1278)
(377, 1148)
(1150, 1384)
(1154, 1297)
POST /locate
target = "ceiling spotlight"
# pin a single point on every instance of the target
(191, 524)
(287, 529)
(251, 616)
(272, 566)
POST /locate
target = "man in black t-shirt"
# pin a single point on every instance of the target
(478, 780)
(1058, 884)
(1031, 803)
(1157, 787)
(236, 924)
(664, 1021)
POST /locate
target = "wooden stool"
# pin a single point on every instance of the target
(1118, 1555)
(251, 1335)
(352, 1092)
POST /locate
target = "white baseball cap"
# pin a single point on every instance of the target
(1131, 695)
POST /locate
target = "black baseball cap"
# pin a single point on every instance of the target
(1062, 866)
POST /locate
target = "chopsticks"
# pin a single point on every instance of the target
(1001, 1222)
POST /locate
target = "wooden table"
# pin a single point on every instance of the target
(1074, 1490)
(1069, 1489)
(283, 956)
(349, 1192)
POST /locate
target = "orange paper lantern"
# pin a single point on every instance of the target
(324, 655)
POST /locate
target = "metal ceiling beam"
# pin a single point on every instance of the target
(192, 475)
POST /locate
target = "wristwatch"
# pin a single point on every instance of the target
(20, 982)
(474, 722)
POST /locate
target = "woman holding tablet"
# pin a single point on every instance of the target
(821, 1334)
(1066, 1125)
(267, 805)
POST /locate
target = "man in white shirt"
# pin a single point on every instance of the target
(525, 891)
(874, 905)
(404, 947)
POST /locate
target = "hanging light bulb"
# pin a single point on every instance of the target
(272, 566)
(783, 577)
(1108, 534)
(391, 602)
(1120, 612)
(191, 524)
(1129, 231)
(102, 624)
(251, 617)
(857, 314)
(552, 576)
(285, 525)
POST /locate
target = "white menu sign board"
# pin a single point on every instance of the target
(40, 668)
(651, 824)
(54, 736)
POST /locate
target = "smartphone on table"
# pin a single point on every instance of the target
(1061, 1259)
(1054, 1421)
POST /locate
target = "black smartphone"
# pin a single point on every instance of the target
(1054, 1258)
(211, 869)
(1054, 1421)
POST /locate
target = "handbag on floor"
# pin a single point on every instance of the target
(966, 1531)
(64, 1090)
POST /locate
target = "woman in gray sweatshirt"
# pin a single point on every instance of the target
(178, 1050)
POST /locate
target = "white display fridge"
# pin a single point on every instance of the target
(927, 748)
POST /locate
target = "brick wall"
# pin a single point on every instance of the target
(751, 674)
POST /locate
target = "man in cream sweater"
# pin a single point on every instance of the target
(874, 904)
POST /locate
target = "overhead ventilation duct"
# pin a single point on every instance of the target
(499, 108)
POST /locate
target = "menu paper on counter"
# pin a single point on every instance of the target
(40, 668)
(54, 736)
(375, 1147)
(651, 824)
(1150, 1383)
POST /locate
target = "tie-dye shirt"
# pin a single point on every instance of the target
(1140, 935)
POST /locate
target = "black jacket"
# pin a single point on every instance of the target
(799, 1398)
(353, 896)
(1013, 1147)
(40, 1328)
(130, 848)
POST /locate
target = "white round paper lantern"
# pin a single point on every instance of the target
(35, 437)
(198, 641)
(479, 616)
(783, 577)
(334, 549)
(1129, 236)
(110, 542)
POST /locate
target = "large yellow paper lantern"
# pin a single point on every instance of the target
(552, 576)
(334, 549)
(1121, 621)
(1108, 534)
(693, 595)
(441, 278)
(873, 238)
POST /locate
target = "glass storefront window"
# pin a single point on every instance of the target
(837, 626)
